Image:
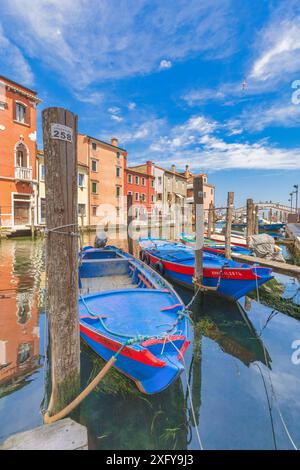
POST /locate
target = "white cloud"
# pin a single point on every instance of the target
(114, 110)
(16, 66)
(165, 64)
(116, 118)
(276, 48)
(131, 106)
(76, 40)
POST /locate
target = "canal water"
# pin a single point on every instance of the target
(240, 388)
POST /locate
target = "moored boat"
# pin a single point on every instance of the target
(221, 276)
(128, 310)
(214, 247)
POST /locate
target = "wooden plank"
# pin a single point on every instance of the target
(277, 266)
(229, 211)
(62, 435)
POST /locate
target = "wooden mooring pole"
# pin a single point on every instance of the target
(256, 221)
(199, 228)
(60, 147)
(250, 228)
(129, 223)
(230, 200)
(210, 219)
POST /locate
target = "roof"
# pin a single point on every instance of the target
(102, 142)
(132, 169)
(20, 88)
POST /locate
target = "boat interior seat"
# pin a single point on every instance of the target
(100, 267)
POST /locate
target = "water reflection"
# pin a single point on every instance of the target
(227, 402)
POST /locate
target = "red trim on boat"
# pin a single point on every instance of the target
(182, 350)
(145, 281)
(227, 273)
(151, 342)
(144, 356)
(171, 307)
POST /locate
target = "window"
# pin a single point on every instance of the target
(118, 154)
(20, 113)
(136, 180)
(152, 183)
(81, 180)
(204, 194)
(20, 158)
(136, 196)
(143, 197)
(94, 187)
(143, 181)
(94, 210)
(130, 179)
(159, 180)
(118, 191)
(94, 165)
(42, 172)
(118, 171)
(81, 209)
(152, 198)
(212, 191)
(94, 146)
(129, 193)
(2, 105)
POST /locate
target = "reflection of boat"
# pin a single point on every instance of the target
(134, 311)
(224, 277)
(228, 324)
(156, 421)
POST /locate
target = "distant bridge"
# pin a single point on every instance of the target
(276, 206)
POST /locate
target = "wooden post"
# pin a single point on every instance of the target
(32, 221)
(160, 230)
(129, 223)
(199, 223)
(210, 219)
(230, 199)
(249, 219)
(60, 147)
(149, 224)
(256, 222)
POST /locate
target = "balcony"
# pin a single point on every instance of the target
(23, 173)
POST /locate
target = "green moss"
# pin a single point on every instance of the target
(270, 294)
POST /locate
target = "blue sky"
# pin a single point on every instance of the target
(165, 77)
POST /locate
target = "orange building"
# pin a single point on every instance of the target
(208, 190)
(106, 163)
(17, 154)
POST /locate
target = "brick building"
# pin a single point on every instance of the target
(18, 182)
(140, 182)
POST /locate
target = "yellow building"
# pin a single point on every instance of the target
(83, 188)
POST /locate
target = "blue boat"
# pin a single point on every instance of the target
(221, 276)
(128, 310)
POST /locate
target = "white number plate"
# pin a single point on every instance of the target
(60, 132)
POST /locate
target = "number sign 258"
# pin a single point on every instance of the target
(60, 132)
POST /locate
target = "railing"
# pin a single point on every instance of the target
(23, 173)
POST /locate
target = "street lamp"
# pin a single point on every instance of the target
(296, 186)
(291, 201)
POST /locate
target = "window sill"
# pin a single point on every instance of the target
(21, 123)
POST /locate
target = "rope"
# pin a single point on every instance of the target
(190, 395)
(57, 230)
(271, 382)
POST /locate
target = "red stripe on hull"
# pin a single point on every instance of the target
(241, 274)
(144, 356)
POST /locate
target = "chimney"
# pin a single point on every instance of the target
(173, 168)
(149, 167)
(187, 171)
(114, 141)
